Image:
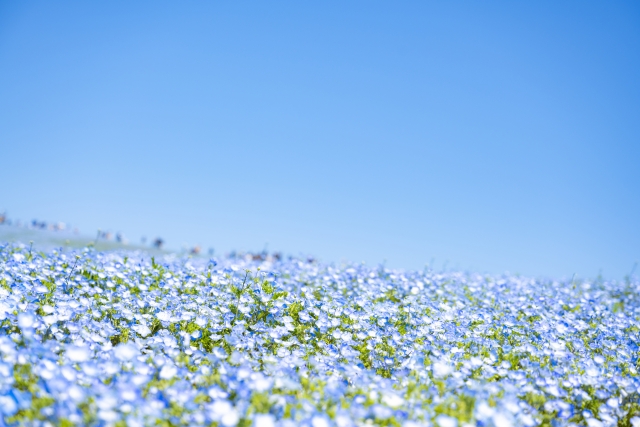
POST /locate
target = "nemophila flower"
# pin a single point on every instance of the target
(75, 353)
(105, 338)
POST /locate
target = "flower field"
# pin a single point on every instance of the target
(120, 338)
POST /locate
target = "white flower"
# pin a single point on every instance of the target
(319, 421)
(222, 411)
(50, 320)
(168, 371)
(106, 402)
(69, 373)
(592, 371)
(8, 405)
(77, 354)
(264, 420)
(392, 400)
(230, 418)
(502, 420)
(142, 330)
(125, 352)
(261, 383)
(283, 352)
(442, 369)
(446, 421)
(108, 415)
(76, 393)
(613, 403)
(25, 320)
(592, 422)
(216, 393)
(164, 316)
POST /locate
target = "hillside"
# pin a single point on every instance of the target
(92, 337)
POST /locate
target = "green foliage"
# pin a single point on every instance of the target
(459, 407)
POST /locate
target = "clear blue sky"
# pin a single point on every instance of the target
(492, 136)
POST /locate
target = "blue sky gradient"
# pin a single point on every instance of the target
(490, 136)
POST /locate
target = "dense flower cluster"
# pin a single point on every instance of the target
(99, 338)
